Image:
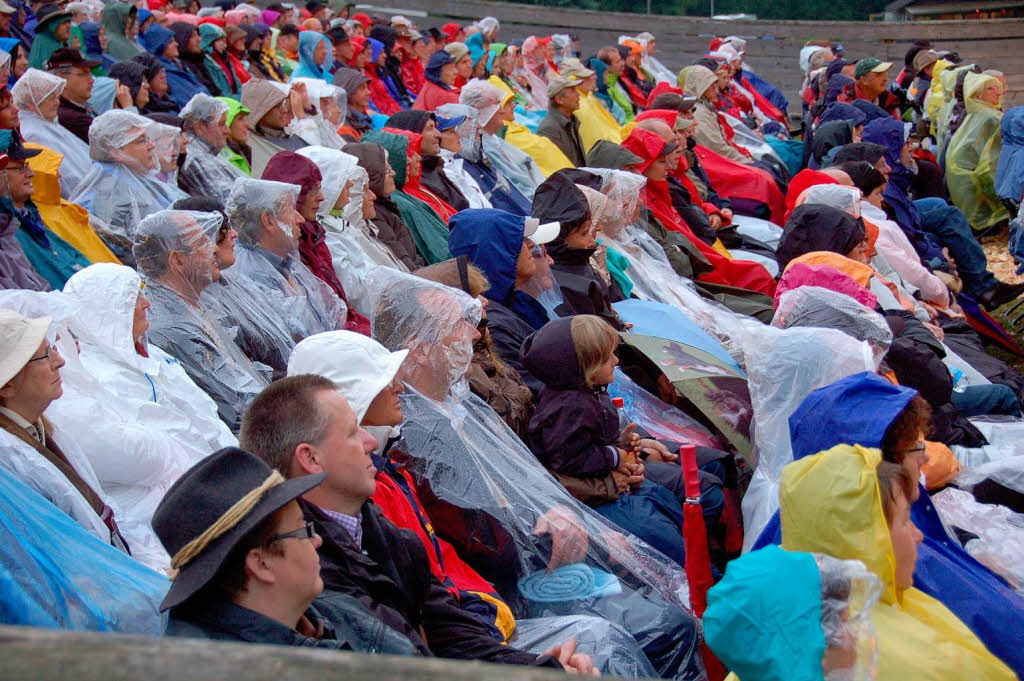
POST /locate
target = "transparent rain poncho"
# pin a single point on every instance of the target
(351, 238)
(813, 306)
(119, 190)
(317, 130)
(22, 460)
(166, 141)
(534, 70)
(840, 197)
(179, 323)
(32, 90)
(469, 137)
(483, 475)
(301, 300)
(813, 624)
(204, 171)
(141, 420)
(973, 156)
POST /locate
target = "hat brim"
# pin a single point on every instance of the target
(201, 569)
(16, 358)
(669, 148)
(386, 374)
(545, 233)
(883, 67)
(21, 154)
(449, 123)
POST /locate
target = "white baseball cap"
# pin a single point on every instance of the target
(540, 233)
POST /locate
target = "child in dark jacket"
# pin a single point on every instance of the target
(575, 431)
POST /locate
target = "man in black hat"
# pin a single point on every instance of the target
(74, 112)
(302, 426)
(244, 558)
(342, 47)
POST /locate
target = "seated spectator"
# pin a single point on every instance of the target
(871, 78)
(118, 190)
(330, 104)
(53, 258)
(596, 122)
(702, 83)
(351, 240)
(16, 271)
(545, 157)
(258, 582)
(751, 608)
(490, 379)
(451, 437)
(414, 174)
(29, 382)
(560, 125)
(122, 24)
(363, 554)
(439, 86)
(155, 75)
(237, 150)
(217, 62)
(93, 39)
(132, 75)
(314, 251)
(205, 171)
(37, 95)
(875, 508)
(52, 29)
(73, 112)
(174, 251)
(314, 53)
(391, 228)
(270, 113)
(67, 220)
(155, 422)
(433, 177)
(503, 247)
(464, 132)
(182, 83)
(357, 120)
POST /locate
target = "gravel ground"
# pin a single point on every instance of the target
(1001, 264)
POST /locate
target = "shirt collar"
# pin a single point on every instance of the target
(353, 524)
(36, 430)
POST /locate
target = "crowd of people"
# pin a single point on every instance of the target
(329, 330)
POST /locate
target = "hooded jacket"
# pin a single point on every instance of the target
(308, 68)
(218, 64)
(391, 228)
(435, 92)
(817, 227)
(433, 176)
(167, 423)
(1010, 172)
(15, 269)
(193, 63)
(492, 239)
(181, 81)
(830, 503)
(45, 42)
(289, 167)
(115, 19)
(575, 428)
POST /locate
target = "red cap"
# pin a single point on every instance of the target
(618, 402)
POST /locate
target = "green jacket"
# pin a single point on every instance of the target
(46, 42)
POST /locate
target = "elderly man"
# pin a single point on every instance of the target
(257, 578)
(560, 125)
(29, 381)
(174, 252)
(871, 76)
(205, 171)
(74, 112)
(362, 554)
(265, 215)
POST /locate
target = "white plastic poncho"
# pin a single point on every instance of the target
(204, 170)
(118, 191)
(32, 90)
(472, 461)
(354, 250)
(155, 424)
(651, 64)
(300, 299)
(22, 460)
(179, 323)
(166, 141)
(317, 130)
(469, 137)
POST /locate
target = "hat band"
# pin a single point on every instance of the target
(231, 517)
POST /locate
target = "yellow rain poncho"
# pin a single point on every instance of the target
(936, 91)
(543, 151)
(973, 156)
(947, 82)
(830, 503)
(67, 220)
(596, 123)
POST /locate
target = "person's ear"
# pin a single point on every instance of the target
(176, 261)
(306, 460)
(257, 568)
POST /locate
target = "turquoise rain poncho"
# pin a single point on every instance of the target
(428, 231)
(973, 155)
(308, 68)
(46, 42)
(774, 614)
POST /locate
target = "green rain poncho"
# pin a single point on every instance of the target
(233, 157)
(973, 155)
(428, 231)
(116, 17)
(46, 43)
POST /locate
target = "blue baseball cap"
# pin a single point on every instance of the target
(448, 123)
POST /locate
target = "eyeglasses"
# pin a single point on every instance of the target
(50, 350)
(917, 451)
(307, 531)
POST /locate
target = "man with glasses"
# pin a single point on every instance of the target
(74, 112)
(29, 382)
(244, 561)
(53, 258)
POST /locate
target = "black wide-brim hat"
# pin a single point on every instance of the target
(201, 496)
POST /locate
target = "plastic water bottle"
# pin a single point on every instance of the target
(960, 381)
(624, 422)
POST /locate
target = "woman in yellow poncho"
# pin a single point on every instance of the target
(831, 503)
(543, 151)
(596, 122)
(67, 220)
(973, 153)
